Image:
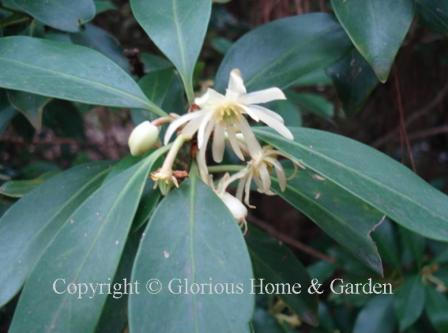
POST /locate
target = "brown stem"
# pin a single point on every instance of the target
(290, 241)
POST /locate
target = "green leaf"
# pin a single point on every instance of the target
(414, 244)
(192, 236)
(264, 322)
(30, 105)
(410, 301)
(386, 240)
(275, 263)
(434, 14)
(376, 316)
(33, 221)
(100, 40)
(87, 249)
(178, 28)
(370, 175)
(71, 72)
(115, 312)
(153, 62)
(64, 15)
(354, 80)
(147, 206)
(344, 217)
(289, 111)
(164, 88)
(103, 6)
(281, 52)
(7, 112)
(377, 28)
(64, 119)
(435, 308)
(18, 188)
(313, 103)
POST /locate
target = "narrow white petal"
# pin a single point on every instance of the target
(236, 86)
(247, 192)
(252, 143)
(218, 144)
(262, 96)
(172, 128)
(201, 158)
(279, 171)
(240, 188)
(234, 143)
(192, 127)
(206, 121)
(260, 109)
(264, 177)
(210, 97)
(251, 112)
(276, 125)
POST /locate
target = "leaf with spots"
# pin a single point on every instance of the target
(87, 249)
(192, 238)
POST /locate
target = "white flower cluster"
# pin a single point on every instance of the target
(222, 118)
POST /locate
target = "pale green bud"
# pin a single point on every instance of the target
(143, 138)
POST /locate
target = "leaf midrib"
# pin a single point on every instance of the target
(97, 84)
(371, 180)
(102, 226)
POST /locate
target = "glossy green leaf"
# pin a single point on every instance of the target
(192, 236)
(289, 111)
(32, 222)
(354, 80)
(7, 112)
(178, 28)
(436, 309)
(275, 263)
(100, 40)
(312, 103)
(387, 243)
(114, 317)
(414, 244)
(153, 62)
(61, 70)
(164, 88)
(377, 28)
(434, 14)
(344, 217)
(263, 322)
(18, 188)
(103, 6)
(410, 301)
(64, 119)
(147, 206)
(87, 249)
(281, 52)
(64, 15)
(30, 105)
(376, 316)
(370, 175)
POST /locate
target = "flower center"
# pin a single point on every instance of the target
(229, 113)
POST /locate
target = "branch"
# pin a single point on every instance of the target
(290, 241)
(413, 117)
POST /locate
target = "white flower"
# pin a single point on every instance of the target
(236, 207)
(263, 161)
(224, 116)
(143, 138)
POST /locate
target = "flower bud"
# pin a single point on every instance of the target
(143, 138)
(236, 207)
